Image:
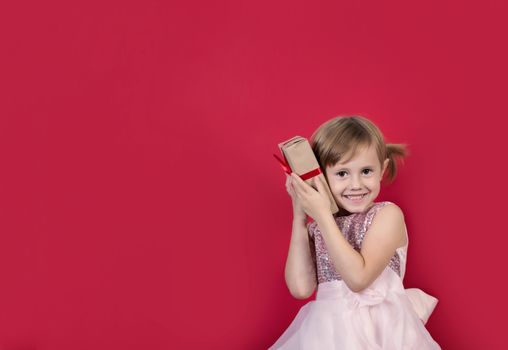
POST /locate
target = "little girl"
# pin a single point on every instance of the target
(357, 257)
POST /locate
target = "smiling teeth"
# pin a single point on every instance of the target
(355, 197)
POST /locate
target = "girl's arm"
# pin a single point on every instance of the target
(360, 269)
(300, 271)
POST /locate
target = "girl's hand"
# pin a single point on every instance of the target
(314, 203)
(298, 211)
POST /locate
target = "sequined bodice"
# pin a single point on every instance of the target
(353, 227)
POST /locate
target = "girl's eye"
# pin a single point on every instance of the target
(365, 172)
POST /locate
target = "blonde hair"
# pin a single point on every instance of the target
(345, 134)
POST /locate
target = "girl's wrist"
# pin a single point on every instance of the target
(299, 218)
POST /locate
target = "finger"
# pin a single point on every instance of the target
(292, 179)
(297, 194)
(297, 180)
(296, 184)
(290, 185)
(319, 184)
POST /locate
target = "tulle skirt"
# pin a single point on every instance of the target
(382, 316)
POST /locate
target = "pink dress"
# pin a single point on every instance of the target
(383, 316)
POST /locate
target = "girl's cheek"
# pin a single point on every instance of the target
(335, 188)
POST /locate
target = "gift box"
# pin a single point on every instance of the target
(300, 159)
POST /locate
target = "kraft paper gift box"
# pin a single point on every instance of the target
(299, 158)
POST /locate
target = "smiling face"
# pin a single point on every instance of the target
(356, 183)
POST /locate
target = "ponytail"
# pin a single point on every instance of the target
(393, 152)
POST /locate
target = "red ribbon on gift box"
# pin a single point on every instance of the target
(285, 166)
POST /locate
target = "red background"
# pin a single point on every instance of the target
(141, 206)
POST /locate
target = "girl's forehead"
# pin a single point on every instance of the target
(364, 156)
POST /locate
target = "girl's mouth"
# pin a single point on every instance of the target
(356, 198)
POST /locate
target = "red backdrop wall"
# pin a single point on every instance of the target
(141, 206)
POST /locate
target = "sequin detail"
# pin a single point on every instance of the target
(353, 227)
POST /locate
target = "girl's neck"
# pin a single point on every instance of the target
(344, 212)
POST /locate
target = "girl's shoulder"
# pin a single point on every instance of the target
(392, 212)
(383, 204)
(376, 208)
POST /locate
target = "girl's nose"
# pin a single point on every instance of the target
(356, 182)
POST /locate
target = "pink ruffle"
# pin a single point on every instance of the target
(382, 316)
